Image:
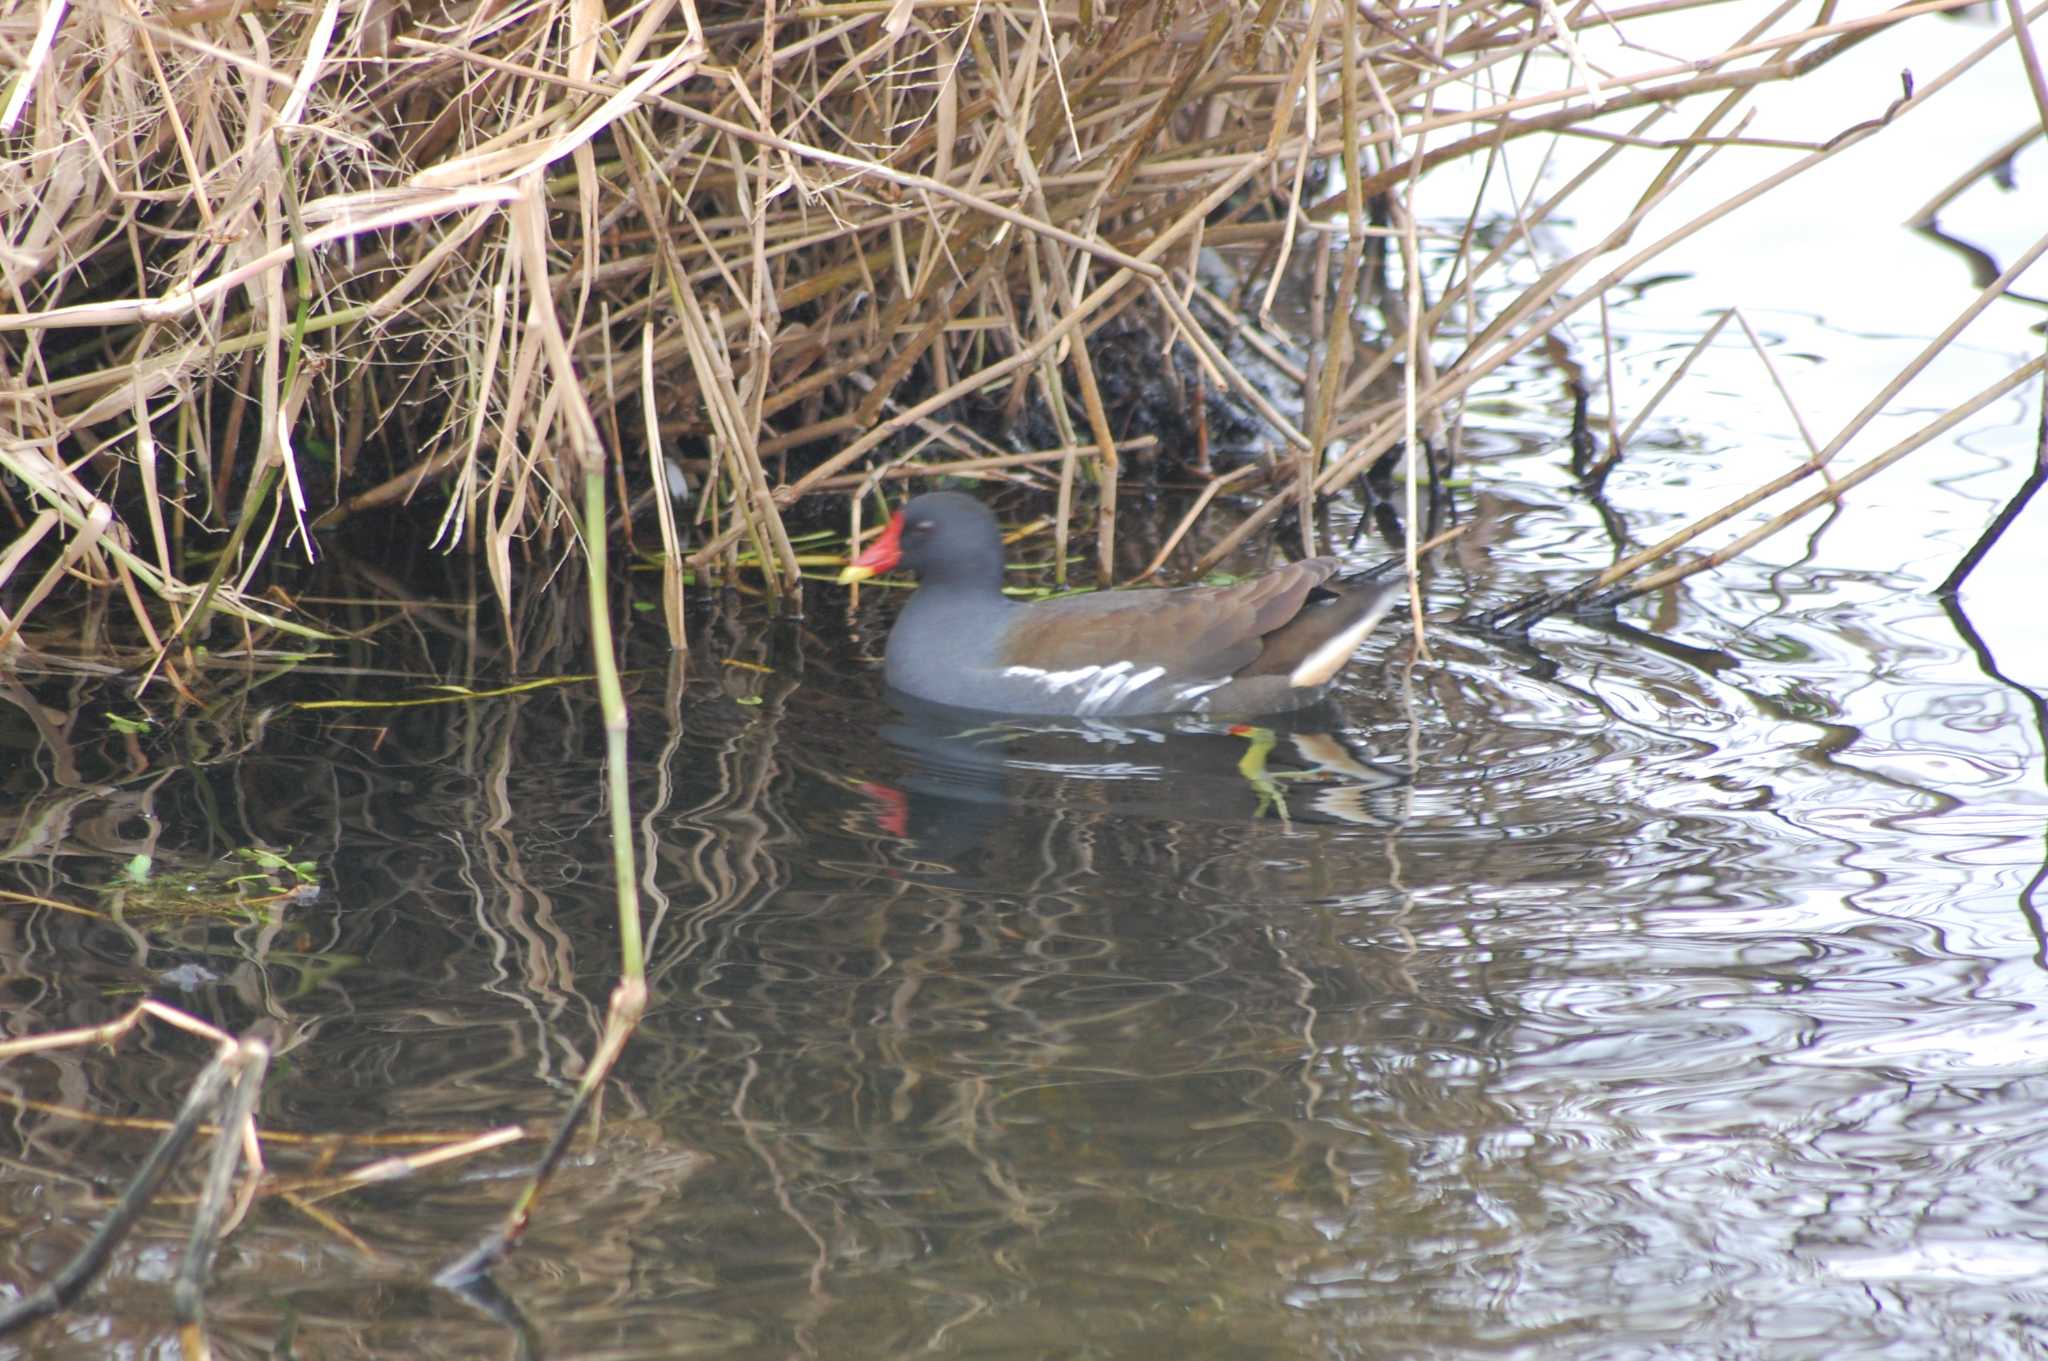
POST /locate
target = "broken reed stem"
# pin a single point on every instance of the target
(629, 996)
(1831, 494)
(1850, 429)
(242, 1061)
(1601, 590)
(251, 1060)
(71, 1280)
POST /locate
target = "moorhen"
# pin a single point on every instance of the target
(1260, 646)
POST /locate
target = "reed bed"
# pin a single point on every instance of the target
(273, 266)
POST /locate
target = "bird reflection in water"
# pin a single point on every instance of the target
(969, 781)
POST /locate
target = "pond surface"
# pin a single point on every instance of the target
(1665, 987)
(1613, 995)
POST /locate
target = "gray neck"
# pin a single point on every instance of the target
(949, 627)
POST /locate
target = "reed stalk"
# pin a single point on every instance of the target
(828, 239)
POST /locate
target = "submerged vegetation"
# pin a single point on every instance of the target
(272, 267)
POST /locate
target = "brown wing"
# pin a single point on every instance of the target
(1195, 632)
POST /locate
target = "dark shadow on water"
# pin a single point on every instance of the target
(967, 775)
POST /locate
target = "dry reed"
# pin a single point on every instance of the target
(271, 266)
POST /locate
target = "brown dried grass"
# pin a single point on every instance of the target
(253, 247)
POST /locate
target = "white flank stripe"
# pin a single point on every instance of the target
(1113, 685)
(1104, 687)
(1052, 680)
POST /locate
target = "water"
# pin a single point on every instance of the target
(1666, 987)
(1610, 999)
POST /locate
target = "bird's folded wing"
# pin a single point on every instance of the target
(1193, 631)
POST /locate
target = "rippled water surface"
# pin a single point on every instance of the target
(1669, 986)
(1614, 995)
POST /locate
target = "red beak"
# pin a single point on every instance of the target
(884, 553)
